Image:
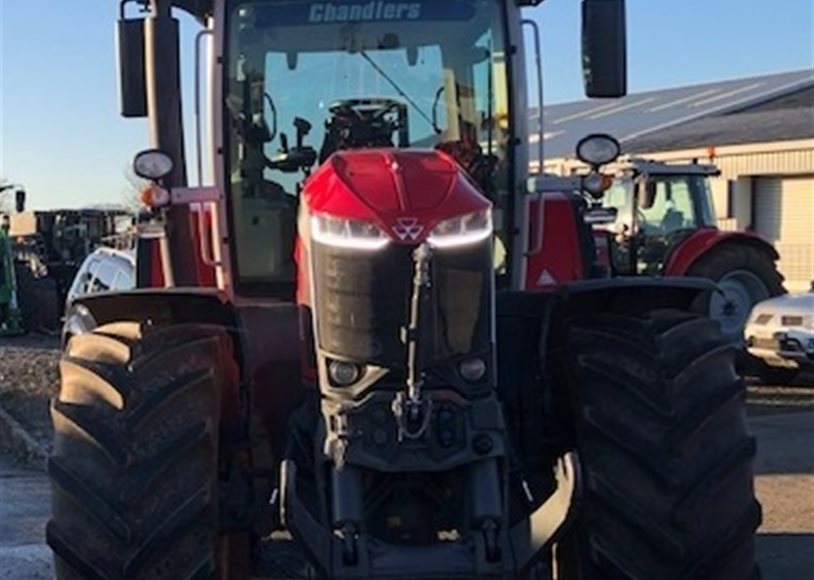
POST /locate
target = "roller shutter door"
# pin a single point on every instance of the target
(784, 215)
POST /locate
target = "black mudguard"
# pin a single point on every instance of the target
(631, 295)
(161, 307)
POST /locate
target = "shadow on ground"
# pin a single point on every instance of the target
(771, 399)
(784, 484)
(786, 556)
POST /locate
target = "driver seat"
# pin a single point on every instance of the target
(673, 221)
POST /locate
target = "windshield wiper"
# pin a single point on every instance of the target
(399, 90)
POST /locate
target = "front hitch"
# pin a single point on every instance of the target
(411, 411)
(528, 540)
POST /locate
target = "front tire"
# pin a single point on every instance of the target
(667, 464)
(134, 465)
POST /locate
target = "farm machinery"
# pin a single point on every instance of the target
(659, 220)
(11, 318)
(340, 361)
(10, 315)
(48, 248)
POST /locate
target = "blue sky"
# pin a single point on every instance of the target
(61, 135)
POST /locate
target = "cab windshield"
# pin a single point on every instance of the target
(306, 79)
(652, 217)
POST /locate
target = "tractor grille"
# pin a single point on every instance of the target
(363, 302)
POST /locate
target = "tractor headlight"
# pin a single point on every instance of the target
(344, 374)
(347, 233)
(472, 370)
(598, 149)
(462, 231)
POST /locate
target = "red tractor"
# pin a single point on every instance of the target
(335, 365)
(659, 220)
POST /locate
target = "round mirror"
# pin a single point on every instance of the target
(599, 149)
(153, 165)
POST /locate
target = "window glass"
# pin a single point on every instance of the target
(103, 280)
(83, 279)
(706, 208)
(124, 280)
(430, 75)
(620, 198)
(669, 210)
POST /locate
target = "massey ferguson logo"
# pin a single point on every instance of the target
(408, 229)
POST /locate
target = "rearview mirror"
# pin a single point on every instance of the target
(412, 56)
(292, 59)
(604, 48)
(19, 199)
(647, 194)
(132, 76)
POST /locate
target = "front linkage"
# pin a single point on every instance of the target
(382, 436)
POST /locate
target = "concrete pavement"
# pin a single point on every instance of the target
(784, 483)
(785, 486)
(24, 510)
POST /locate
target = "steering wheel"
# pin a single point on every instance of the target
(365, 124)
(644, 227)
(365, 109)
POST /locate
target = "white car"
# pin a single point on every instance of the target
(104, 270)
(780, 333)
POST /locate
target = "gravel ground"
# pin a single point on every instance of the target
(29, 378)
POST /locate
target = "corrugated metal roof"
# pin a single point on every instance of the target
(750, 126)
(636, 116)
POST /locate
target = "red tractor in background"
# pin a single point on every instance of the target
(659, 220)
(339, 363)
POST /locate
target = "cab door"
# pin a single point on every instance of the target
(665, 214)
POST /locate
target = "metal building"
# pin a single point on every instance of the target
(758, 131)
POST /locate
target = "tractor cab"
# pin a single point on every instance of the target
(654, 207)
(306, 80)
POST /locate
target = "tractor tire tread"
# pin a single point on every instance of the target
(134, 466)
(667, 462)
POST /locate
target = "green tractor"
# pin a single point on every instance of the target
(10, 315)
(11, 318)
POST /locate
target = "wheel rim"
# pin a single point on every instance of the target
(739, 292)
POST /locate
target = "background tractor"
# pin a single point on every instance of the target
(11, 315)
(340, 362)
(48, 248)
(659, 220)
(11, 323)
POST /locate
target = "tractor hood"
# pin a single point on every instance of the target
(406, 193)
